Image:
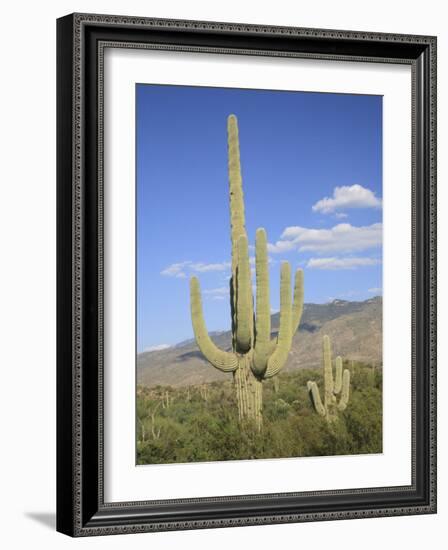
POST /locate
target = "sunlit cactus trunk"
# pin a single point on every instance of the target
(249, 393)
(255, 355)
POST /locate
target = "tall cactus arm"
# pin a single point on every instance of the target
(297, 307)
(263, 346)
(278, 358)
(244, 304)
(313, 391)
(345, 390)
(328, 373)
(222, 360)
(338, 378)
(237, 219)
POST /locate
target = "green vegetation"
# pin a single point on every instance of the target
(255, 356)
(201, 423)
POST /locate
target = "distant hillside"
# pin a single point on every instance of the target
(355, 329)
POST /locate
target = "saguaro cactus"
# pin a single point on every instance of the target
(332, 388)
(255, 355)
(167, 399)
(203, 390)
(276, 385)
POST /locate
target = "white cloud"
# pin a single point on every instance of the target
(179, 269)
(281, 246)
(377, 290)
(159, 347)
(217, 293)
(340, 238)
(202, 268)
(340, 263)
(347, 196)
(223, 290)
(176, 270)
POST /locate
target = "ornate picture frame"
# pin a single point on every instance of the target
(81, 506)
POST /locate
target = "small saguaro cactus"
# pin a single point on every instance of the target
(155, 431)
(255, 355)
(276, 385)
(332, 388)
(203, 390)
(166, 400)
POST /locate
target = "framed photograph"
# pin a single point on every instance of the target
(246, 274)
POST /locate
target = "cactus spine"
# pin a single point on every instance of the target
(255, 356)
(332, 388)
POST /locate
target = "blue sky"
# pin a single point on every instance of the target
(312, 177)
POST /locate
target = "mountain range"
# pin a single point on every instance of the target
(355, 329)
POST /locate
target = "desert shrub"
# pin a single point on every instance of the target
(198, 429)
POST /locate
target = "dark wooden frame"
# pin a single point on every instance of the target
(81, 510)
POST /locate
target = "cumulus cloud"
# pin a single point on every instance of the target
(203, 268)
(175, 270)
(347, 196)
(214, 291)
(282, 246)
(179, 269)
(159, 347)
(376, 290)
(343, 237)
(340, 263)
(217, 293)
